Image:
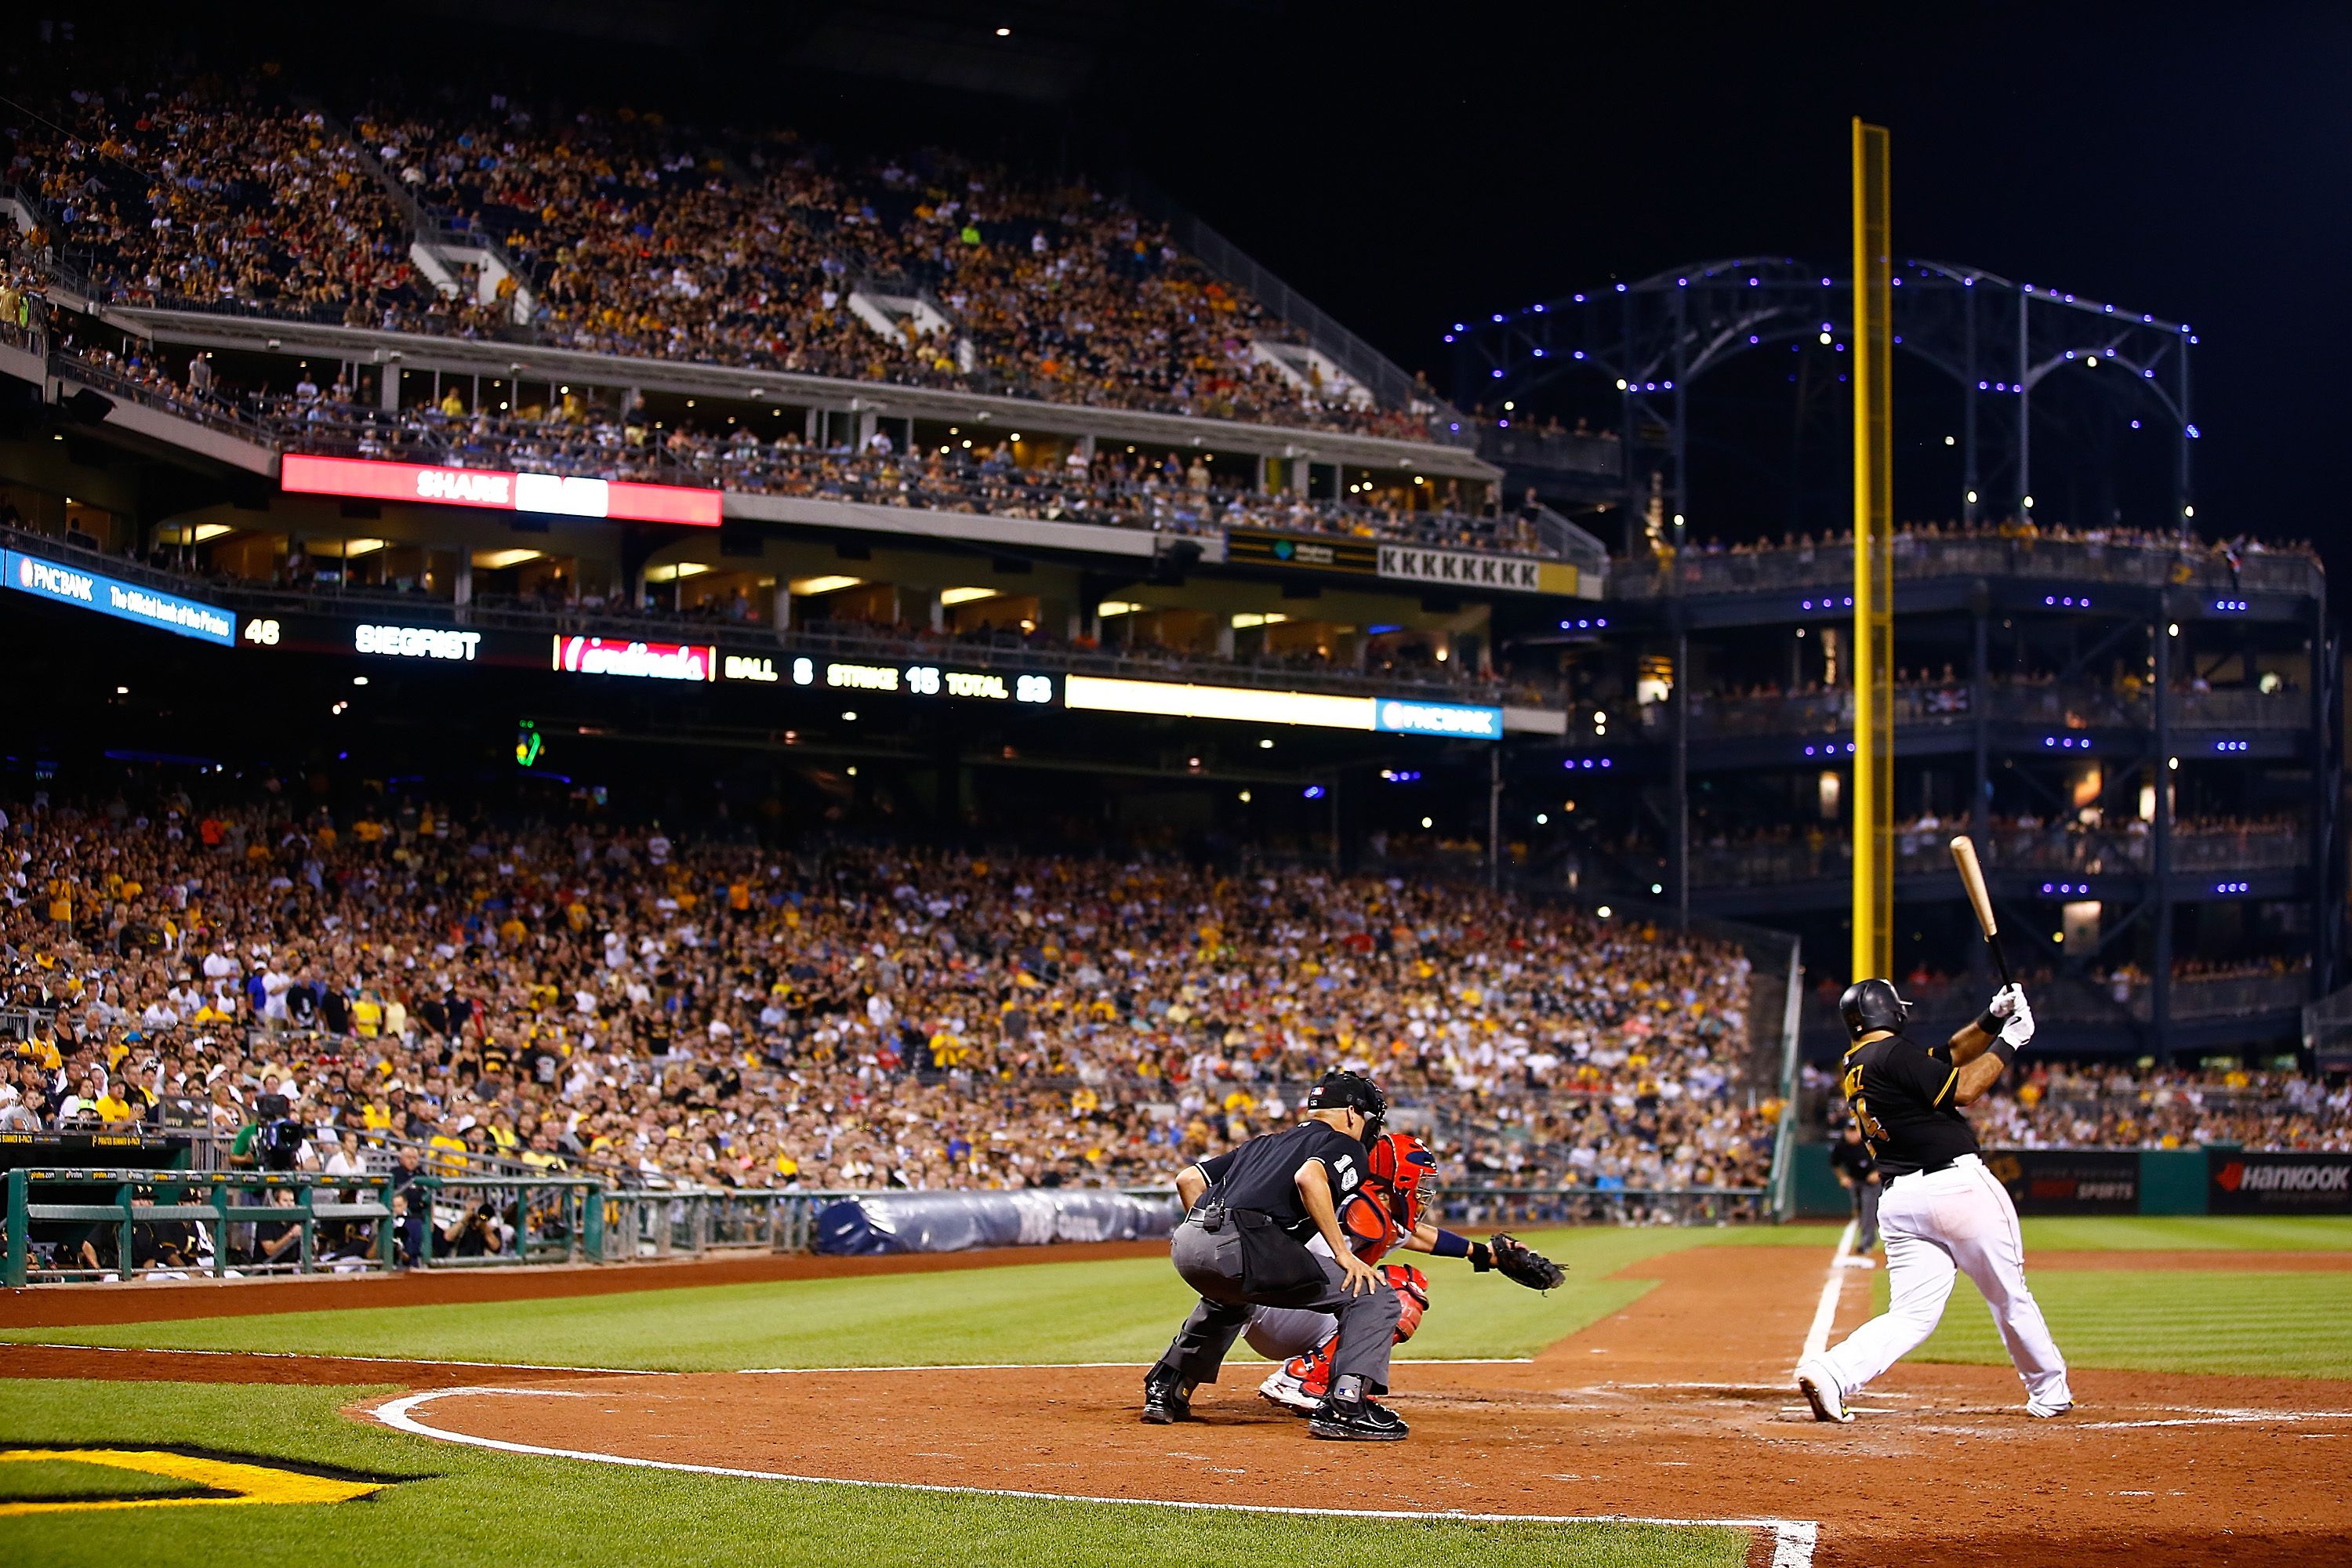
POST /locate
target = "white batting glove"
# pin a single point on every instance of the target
(2007, 1000)
(2016, 1028)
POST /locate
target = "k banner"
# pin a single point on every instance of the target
(2277, 1184)
(2068, 1180)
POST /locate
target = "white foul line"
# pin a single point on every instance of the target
(1817, 1338)
(1793, 1540)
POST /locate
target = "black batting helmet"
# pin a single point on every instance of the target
(1338, 1090)
(1870, 1005)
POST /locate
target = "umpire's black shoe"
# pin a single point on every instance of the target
(1359, 1422)
(1164, 1403)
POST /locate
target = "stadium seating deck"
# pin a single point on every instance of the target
(618, 233)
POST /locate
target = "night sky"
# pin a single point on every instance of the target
(1407, 166)
(1458, 160)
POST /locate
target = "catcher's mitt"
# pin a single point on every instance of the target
(1516, 1261)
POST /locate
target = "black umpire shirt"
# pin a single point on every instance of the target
(1854, 1159)
(1901, 1093)
(1263, 1174)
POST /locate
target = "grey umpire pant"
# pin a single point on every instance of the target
(1865, 1213)
(1210, 1263)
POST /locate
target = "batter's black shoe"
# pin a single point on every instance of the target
(1164, 1402)
(1359, 1422)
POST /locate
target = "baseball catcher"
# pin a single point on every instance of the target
(1384, 1213)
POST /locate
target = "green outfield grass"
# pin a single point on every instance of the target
(469, 1505)
(1122, 1310)
(2187, 1233)
(2171, 1319)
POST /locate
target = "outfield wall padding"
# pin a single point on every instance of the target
(956, 1222)
(2128, 1181)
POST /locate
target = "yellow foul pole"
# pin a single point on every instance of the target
(1873, 661)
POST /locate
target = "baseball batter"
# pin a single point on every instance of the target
(1941, 1212)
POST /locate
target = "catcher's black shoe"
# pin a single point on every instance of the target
(1164, 1402)
(1357, 1421)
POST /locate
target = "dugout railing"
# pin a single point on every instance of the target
(96, 1222)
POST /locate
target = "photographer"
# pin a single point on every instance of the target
(475, 1234)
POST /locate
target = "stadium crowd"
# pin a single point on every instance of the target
(701, 1011)
(1170, 492)
(1918, 538)
(616, 231)
(2058, 1106)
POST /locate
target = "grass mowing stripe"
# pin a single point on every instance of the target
(460, 1504)
(2188, 1233)
(1105, 1310)
(2192, 1321)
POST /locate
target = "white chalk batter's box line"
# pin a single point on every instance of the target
(1793, 1540)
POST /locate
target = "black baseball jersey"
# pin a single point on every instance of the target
(1263, 1174)
(1901, 1093)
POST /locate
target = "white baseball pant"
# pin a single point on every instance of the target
(1279, 1333)
(1954, 1221)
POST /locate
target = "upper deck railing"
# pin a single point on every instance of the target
(2132, 561)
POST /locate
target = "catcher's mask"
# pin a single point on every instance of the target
(1339, 1090)
(1871, 1005)
(1400, 1165)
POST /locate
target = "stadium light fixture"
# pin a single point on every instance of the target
(952, 596)
(1265, 744)
(1245, 798)
(1542, 819)
(1427, 822)
(1603, 911)
(1110, 607)
(808, 586)
(500, 560)
(1002, 33)
(849, 716)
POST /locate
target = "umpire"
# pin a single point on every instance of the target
(1858, 1174)
(1249, 1215)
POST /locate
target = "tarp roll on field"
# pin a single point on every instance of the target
(953, 1222)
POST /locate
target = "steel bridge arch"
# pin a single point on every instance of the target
(1999, 341)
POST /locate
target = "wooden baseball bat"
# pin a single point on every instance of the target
(1964, 856)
